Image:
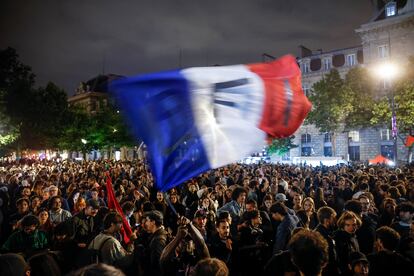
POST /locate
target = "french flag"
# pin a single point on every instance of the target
(202, 118)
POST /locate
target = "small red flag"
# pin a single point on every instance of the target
(114, 205)
(409, 141)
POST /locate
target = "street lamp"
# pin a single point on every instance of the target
(84, 141)
(388, 71)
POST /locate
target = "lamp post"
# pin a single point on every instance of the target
(388, 71)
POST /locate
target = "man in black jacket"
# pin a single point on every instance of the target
(386, 261)
(327, 221)
(157, 242)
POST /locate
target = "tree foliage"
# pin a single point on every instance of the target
(281, 146)
(330, 106)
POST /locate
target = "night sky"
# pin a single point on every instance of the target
(69, 41)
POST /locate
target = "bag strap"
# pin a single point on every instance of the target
(102, 245)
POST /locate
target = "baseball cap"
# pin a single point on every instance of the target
(280, 197)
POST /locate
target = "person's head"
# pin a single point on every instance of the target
(223, 229)
(43, 215)
(22, 205)
(99, 269)
(354, 206)
(239, 195)
(389, 205)
(29, 224)
(394, 193)
(209, 267)
(406, 212)
(309, 252)
(349, 222)
(308, 204)
(53, 191)
(112, 222)
(297, 200)
(92, 207)
(200, 218)
(365, 203)
(35, 202)
(95, 193)
(327, 217)
(160, 196)
(268, 201)
(358, 264)
(278, 211)
(61, 232)
(251, 205)
(26, 192)
(128, 208)
(13, 265)
(43, 264)
(224, 215)
(173, 198)
(253, 218)
(386, 239)
(55, 203)
(153, 221)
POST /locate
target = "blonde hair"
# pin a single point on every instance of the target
(310, 200)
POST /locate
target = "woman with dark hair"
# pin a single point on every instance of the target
(345, 239)
(43, 264)
(160, 204)
(45, 224)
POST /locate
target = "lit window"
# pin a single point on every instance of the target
(385, 134)
(328, 137)
(391, 9)
(306, 138)
(305, 67)
(353, 136)
(383, 51)
(351, 60)
(306, 89)
(327, 64)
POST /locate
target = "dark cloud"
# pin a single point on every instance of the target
(69, 41)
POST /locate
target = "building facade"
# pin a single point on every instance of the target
(389, 35)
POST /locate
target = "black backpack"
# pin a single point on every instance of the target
(90, 256)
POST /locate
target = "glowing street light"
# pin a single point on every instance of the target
(84, 141)
(388, 72)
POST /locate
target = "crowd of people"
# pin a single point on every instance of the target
(258, 219)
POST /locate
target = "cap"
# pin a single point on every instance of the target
(357, 257)
(155, 216)
(93, 203)
(280, 197)
(201, 213)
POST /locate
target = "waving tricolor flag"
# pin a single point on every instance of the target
(196, 119)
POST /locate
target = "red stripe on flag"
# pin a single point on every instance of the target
(409, 141)
(114, 205)
(286, 106)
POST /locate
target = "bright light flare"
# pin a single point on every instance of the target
(386, 70)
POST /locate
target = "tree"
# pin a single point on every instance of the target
(359, 92)
(330, 105)
(281, 146)
(404, 105)
(16, 82)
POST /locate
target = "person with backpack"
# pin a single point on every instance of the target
(107, 248)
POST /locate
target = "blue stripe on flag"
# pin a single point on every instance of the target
(158, 109)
